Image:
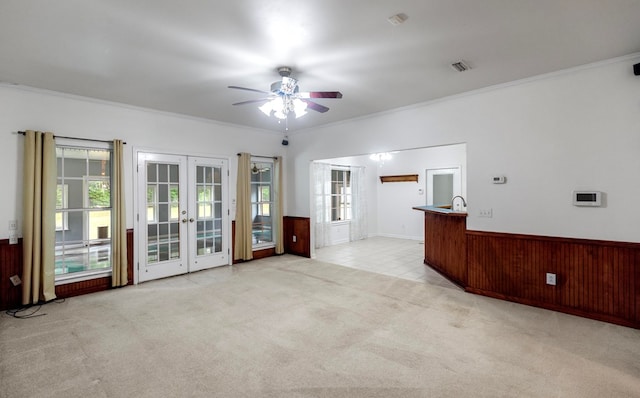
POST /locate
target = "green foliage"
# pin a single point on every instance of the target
(99, 194)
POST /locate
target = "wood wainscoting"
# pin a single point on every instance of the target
(11, 264)
(300, 227)
(594, 279)
(297, 236)
(445, 243)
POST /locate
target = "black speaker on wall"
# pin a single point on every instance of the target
(636, 69)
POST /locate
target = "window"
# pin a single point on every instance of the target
(62, 193)
(262, 202)
(83, 212)
(340, 195)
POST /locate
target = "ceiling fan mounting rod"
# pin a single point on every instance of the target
(284, 71)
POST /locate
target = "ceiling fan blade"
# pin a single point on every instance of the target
(253, 101)
(250, 89)
(315, 106)
(321, 94)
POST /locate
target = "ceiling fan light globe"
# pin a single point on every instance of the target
(299, 107)
(266, 108)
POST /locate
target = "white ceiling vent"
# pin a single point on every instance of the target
(460, 66)
(397, 19)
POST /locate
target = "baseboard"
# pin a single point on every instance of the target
(407, 237)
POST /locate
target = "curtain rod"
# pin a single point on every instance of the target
(261, 156)
(75, 138)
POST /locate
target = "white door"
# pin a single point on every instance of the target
(208, 213)
(182, 215)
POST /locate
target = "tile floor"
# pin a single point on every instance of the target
(402, 258)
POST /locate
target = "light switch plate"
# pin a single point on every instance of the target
(486, 213)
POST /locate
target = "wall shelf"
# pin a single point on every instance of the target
(399, 178)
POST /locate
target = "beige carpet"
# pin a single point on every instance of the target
(293, 327)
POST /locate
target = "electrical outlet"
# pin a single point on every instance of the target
(486, 213)
(295, 238)
(15, 280)
(551, 279)
(13, 225)
(13, 238)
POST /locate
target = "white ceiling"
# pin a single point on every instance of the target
(180, 56)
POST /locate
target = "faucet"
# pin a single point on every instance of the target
(464, 203)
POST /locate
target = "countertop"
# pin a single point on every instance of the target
(440, 210)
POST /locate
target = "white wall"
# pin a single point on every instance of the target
(390, 205)
(24, 109)
(396, 218)
(575, 129)
(340, 233)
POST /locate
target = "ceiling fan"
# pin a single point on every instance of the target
(285, 97)
(255, 169)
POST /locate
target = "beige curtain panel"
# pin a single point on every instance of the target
(243, 249)
(279, 206)
(119, 238)
(39, 224)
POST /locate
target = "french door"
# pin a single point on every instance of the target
(182, 215)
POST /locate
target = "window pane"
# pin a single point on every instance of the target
(99, 224)
(199, 175)
(174, 212)
(163, 173)
(99, 167)
(83, 228)
(152, 233)
(173, 173)
(163, 212)
(261, 203)
(204, 193)
(62, 192)
(163, 249)
(152, 172)
(74, 163)
(174, 193)
(99, 193)
(76, 194)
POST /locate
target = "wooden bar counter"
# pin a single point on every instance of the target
(445, 242)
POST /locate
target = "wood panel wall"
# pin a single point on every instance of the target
(11, 264)
(292, 226)
(595, 279)
(300, 228)
(445, 245)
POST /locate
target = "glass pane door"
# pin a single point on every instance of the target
(208, 182)
(162, 212)
(209, 210)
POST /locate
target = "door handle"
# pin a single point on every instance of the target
(191, 219)
(184, 220)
